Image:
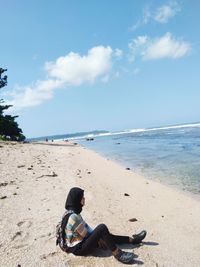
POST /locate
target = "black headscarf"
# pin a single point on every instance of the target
(73, 201)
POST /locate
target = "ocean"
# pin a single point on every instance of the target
(170, 154)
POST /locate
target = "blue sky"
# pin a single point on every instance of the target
(77, 65)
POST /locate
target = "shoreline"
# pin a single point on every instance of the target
(157, 180)
(36, 178)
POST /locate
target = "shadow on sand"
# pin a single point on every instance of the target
(106, 253)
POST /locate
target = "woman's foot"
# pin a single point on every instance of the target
(124, 257)
(137, 239)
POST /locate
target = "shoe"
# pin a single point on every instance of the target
(137, 239)
(124, 257)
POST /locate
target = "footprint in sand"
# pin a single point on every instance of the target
(17, 234)
(20, 246)
(43, 236)
(43, 257)
(20, 223)
(26, 224)
(20, 235)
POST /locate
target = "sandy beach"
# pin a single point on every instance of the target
(35, 180)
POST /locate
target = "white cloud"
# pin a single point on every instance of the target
(70, 70)
(33, 95)
(164, 47)
(135, 46)
(74, 69)
(140, 40)
(118, 53)
(165, 12)
(144, 20)
(146, 15)
(161, 14)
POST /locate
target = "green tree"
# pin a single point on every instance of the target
(9, 129)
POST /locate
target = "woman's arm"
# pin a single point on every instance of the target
(77, 225)
(89, 229)
(82, 229)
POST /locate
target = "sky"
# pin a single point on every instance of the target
(77, 65)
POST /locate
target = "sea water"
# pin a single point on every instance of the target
(168, 154)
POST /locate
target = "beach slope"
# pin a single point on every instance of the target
(34, 182)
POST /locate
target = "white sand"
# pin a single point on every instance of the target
(35, 199)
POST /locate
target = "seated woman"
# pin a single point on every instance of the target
(80, 239)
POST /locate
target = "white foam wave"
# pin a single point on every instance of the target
(174, 127)
(139, 130)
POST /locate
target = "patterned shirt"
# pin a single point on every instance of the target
(76, 230)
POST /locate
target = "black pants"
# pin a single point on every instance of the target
(100, 232)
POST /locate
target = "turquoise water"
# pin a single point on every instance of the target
(170, 155)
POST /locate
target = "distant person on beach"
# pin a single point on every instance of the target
(75, 236)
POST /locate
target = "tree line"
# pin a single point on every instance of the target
(9, 129)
